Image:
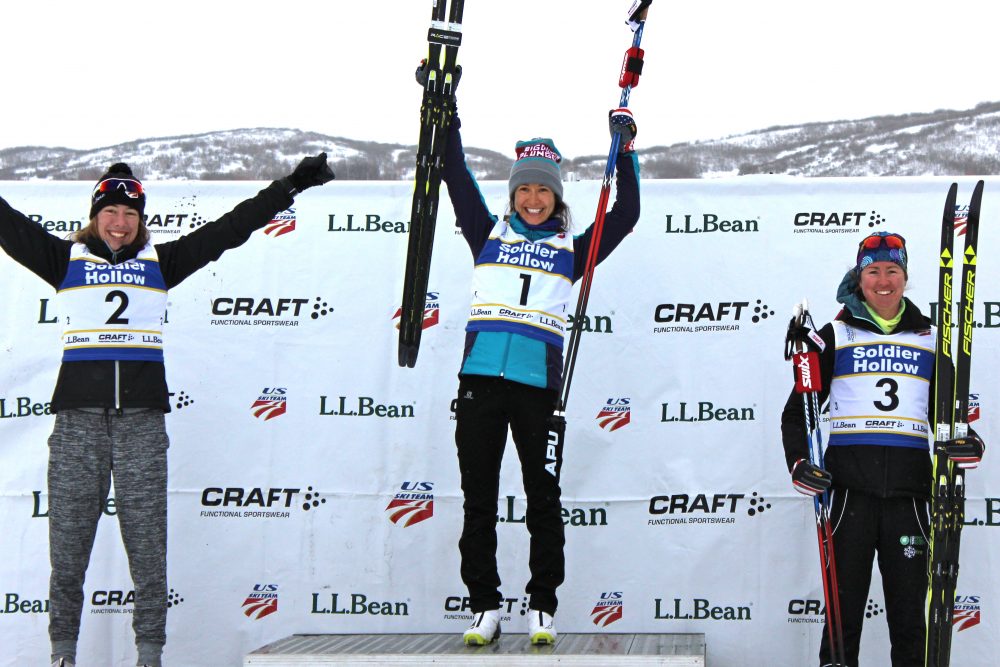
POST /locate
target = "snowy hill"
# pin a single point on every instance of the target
(943, 142)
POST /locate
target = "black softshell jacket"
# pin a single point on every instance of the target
(131, 384)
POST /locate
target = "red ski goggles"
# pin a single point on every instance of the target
(882, 247)
(132, 187)
(890, 241)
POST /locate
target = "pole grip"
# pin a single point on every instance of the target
(807, 376)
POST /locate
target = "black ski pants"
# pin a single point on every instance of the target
(486, 407)
(897, 529)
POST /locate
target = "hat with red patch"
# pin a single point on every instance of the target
(537, 161)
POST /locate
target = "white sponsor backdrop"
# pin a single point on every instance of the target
(684, 515)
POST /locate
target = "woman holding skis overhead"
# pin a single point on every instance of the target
(877, 464)
(525, 265)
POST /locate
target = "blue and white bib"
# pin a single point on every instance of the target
(522, 287)
(880, 386)
(112, 311)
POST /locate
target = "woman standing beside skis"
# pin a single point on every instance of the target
(525, 267)
(879, 477)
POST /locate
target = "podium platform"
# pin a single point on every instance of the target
(670, 650)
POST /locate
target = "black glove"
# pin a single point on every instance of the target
(810, 480)
(622, 123)
(965, 452)
(311, 171)
(421, 75)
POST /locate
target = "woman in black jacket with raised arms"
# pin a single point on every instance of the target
(111, 394)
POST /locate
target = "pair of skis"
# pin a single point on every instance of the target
(801, 345)
(953, 361)
(436, 110)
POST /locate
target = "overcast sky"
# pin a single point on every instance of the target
(86, 74)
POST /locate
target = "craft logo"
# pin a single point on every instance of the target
(23, 406)
(412, 504)
(174, 223)
(282, 223)
(806, 611)
(272, 402)
(15, 603)
(259, 502)
(967, 612)
(372, 223)
(432, 311)
(58, 226)
(112, 601)
(973, 407)
(608, 609)
(704, 508)
(708, 316)
(363, 406)
(357, 604)
(168, 223)
(119, 601)
(708, 223)
(262, 601)
(704, 411)
(248, 311)
(836, 222)
(459, 608)
(513, 513)
(180, 400)
(615, 414)
(699, 609)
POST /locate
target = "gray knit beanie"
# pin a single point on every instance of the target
(537, 162)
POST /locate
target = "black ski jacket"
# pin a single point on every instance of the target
(131, 384)
(878, 470)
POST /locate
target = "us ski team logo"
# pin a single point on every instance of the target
(608, 609)
(272, 402)
(412, 504)
(615, 414)
(262, 601)
(973, 407)
(432, 312)
(283, 223)
(967, 612)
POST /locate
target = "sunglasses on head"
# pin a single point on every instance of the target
(875, 241)
(132, 187)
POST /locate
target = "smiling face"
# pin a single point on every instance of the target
(882, 285)
(118, 225)
(534, 202)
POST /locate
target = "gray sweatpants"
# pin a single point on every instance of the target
(84, 448)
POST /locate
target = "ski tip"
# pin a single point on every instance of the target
(407, 355)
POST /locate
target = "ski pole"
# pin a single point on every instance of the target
(629, 79)
(801, 344)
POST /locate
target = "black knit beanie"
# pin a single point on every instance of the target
(118, 186)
